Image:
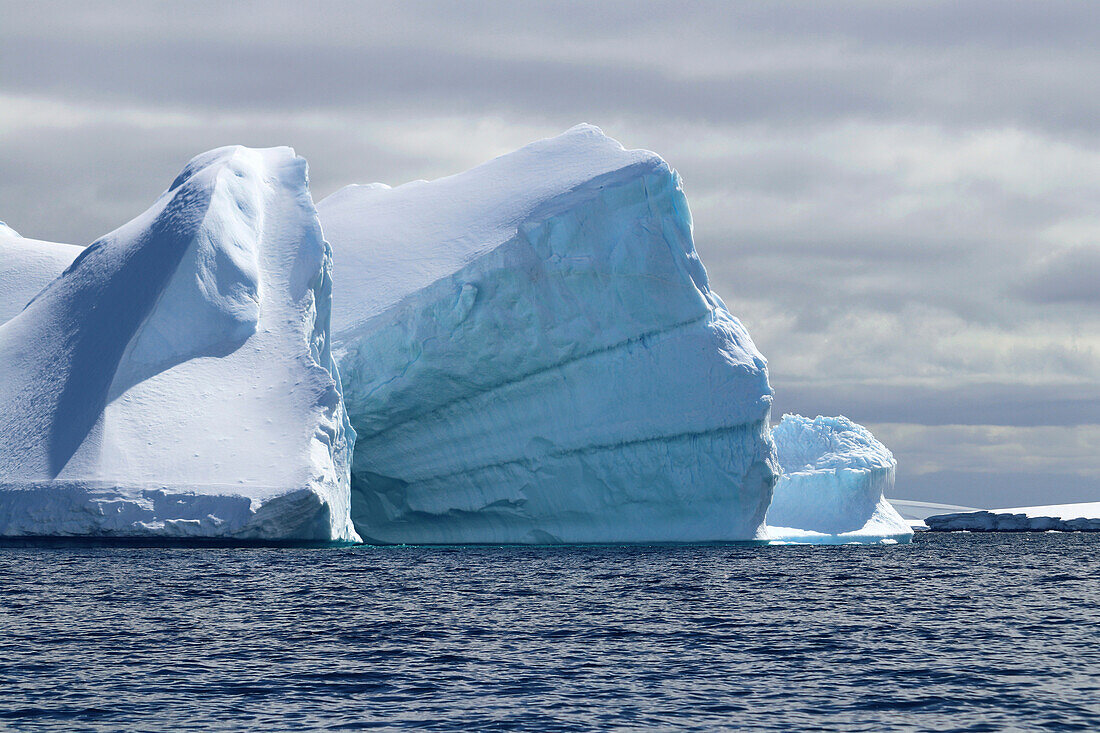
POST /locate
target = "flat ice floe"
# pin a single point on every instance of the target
(177, 379)
(833, 486)
(1082, 517)
(532, 353)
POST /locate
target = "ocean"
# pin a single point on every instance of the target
(954, 632)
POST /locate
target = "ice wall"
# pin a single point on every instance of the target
(177, 379)
(532, 353)
(832, 489)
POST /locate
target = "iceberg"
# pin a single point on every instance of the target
(1082, 517)
(531, 353)
(177, 379)
(832, 489)
(27, 266)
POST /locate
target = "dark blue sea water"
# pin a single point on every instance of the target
(953, 632)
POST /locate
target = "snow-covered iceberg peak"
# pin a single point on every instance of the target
(833, 486)
(177, 377)
(532, 353)
(27, 266)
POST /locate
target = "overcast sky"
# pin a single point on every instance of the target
(900, 201)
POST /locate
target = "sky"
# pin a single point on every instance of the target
(899, 200)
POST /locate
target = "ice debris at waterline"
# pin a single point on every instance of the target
(832, 489)
(1084, 517)
(177, 379)
(27, 266)
(532, 353)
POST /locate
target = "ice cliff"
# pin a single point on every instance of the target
(832, 489)
(532, 353)
(27, 266)
(177, 379)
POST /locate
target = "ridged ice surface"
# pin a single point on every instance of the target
(27, 266)
(835, 478)
(177, 378)
(531, 353)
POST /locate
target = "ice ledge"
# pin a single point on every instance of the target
(97, 509)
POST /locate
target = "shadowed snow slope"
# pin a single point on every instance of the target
(176, 380)
(835, 475)
(531, 353)
(27, 266)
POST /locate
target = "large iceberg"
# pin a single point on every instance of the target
(177, 379)
(832, 490)
(27, 266)
(531, 353)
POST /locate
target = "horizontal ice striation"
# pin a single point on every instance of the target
(832, 489)
(1084, 517)
(27, 266)
(177, 378)
(532, 354)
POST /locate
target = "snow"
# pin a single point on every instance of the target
(532, 354)
(27, 266)
(832, 489)
(1061, 517)
(177, 379)
(911, 509)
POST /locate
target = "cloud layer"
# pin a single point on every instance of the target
(897, 199)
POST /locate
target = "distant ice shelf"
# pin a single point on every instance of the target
(1083, 517)
(834, 483)
(915, 512)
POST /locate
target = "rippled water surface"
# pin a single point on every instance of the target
(952, 632)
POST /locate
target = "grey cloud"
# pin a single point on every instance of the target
(1070, 276)
(983, 404)
(227, 75)
(996, 489)
(472, 68)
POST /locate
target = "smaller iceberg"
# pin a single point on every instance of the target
(27, 266)
(1054, 517)
(833, 485)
